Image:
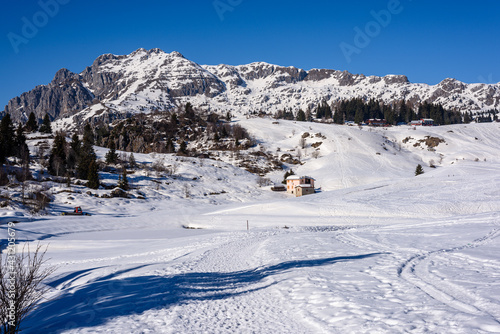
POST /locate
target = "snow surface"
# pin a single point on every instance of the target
(378, 250)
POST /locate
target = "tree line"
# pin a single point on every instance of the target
(76, 158)
(173, 132)
(358, 110)
(162, 132)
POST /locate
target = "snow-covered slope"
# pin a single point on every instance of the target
(147, 80)
(377, 250)
(353, 156)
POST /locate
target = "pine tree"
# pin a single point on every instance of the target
(419, 170)
(87, 153)
(223, 132)
(57, 159)
(324, 111)
(75, 144)
(169, 147)
(21, 149)
(183, 148)
(309, 116)
(131, 160)
(301, 116)
(32, 124)
(93, 176)
(46, 127)
(73, 152)
(88, 135)
(6, 138)
(338, 117)
(389, 115)
(279, 114)
(467, 117)
(123, 181)
(287, 174)
(358, 117)
(111, 156)
(173, 120)
(189, 111)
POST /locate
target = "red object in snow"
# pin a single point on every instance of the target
(76, 212)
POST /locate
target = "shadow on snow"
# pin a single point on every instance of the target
(107, 297)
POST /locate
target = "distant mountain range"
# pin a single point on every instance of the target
(115, 87)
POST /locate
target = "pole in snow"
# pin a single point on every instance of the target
(247, 226)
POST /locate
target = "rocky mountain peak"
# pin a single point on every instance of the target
(450, 84)
(396, 79)
(176, 54)
(63, 75)
(115, 86)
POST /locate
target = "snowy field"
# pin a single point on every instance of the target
(378, 250)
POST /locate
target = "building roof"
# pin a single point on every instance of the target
(304, 186)
(296, 177)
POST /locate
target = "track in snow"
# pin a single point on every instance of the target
(416, 271)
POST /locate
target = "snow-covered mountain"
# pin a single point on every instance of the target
(146, 80)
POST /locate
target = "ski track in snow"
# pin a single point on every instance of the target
(254, 306)
(416, 270)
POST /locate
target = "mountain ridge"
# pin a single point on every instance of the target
(115, 86)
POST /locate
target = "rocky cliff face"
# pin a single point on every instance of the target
(64, 95)
(148, 80)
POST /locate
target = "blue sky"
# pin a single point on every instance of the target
(426, 40)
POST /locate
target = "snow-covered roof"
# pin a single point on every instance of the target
(296, 177)
(304, 185)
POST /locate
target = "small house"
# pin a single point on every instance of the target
(303, 189)
(300, 185)
(423, 122)
(278, 187)
(427, 122)
(377, 122)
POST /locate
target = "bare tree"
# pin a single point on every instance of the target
(315, 154)
(131, 160)
(159, 166)
(174, 168)
(302, 142)
(25, 169)
(263, 181)
(21, 288)
(187, 192)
